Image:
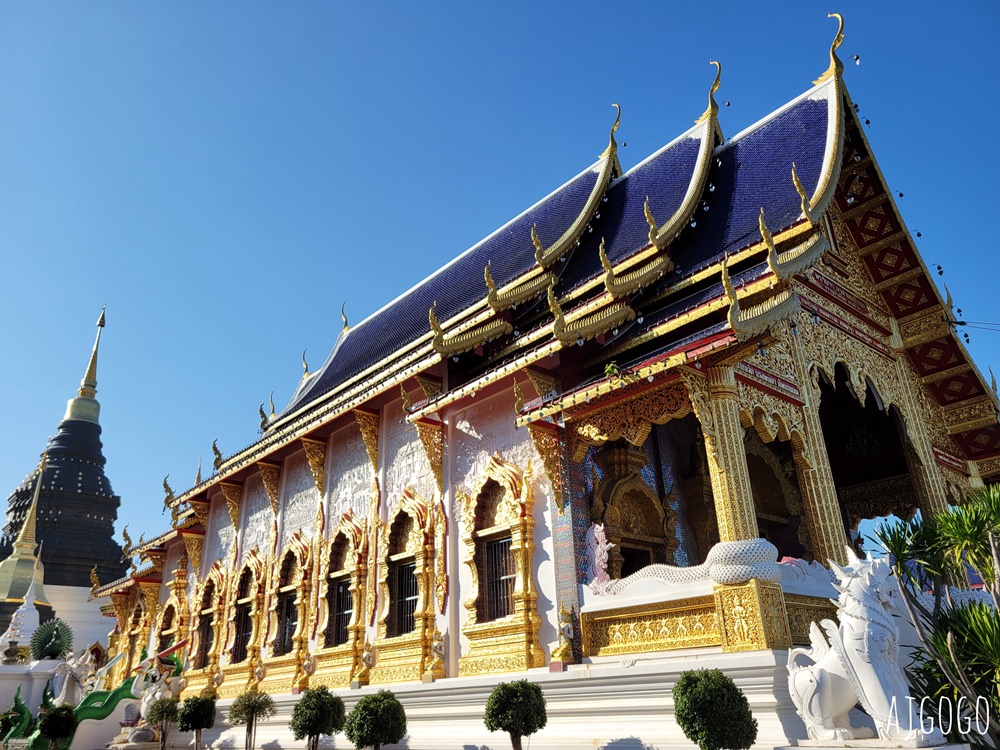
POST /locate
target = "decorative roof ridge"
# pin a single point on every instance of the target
(469, 339)
(756, 319)
(569, 239)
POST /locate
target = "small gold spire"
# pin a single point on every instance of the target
(343, 314)
(488, 277)
(305, 365)
(836, 66)
(88, 386)
(612, 143)
(713, 108)
(26, 535)
(197, 476)
(800, 189)
(272, 415)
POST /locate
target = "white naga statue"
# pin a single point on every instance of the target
(859, 664)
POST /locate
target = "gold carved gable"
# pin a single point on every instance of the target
(632, 419)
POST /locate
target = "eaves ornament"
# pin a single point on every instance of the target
(515, 294)
(588, 326)
(795, 260)
(756, 319)
(455, 344)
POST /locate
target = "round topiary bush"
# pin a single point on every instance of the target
(57, 725)
(517, 708)
(249, 708)
(713, 712)
(317, 712)
(196, 714)
(376, 719)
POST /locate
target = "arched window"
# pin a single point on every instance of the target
(402, 578)
(287, 611)
(167, 629)
(206, 627)
(494, 560)
(243, 617)
(339, 601)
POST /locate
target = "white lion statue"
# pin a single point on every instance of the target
(859, 664)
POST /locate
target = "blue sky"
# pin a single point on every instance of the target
(223, 175)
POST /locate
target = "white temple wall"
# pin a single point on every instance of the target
(171, 557)
(299, 499)
(256, 517)
(71, 604)
(480, 431)
(349, 475)
(220, 535)
(404, 463)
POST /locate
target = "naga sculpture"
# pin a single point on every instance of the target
(859, 664)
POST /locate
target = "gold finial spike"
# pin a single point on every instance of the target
(605, 263)
(343, 314)
(488, 277)
(612, 143)
(836, 66)
(217, 461)
(305, 365)
(800, 189)
(270, 398)
(713, 108)
(26, 535)
(539, 248)
(88, 386)
(197, 477)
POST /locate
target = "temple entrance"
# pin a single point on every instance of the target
(776, 496)
(870, 454)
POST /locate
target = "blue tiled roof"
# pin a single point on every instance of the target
(455, 287)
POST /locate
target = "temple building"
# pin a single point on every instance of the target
(67, 506)
(602, 446)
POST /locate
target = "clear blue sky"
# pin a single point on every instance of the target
(223, 175)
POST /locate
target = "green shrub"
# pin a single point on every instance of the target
(249, 708)
(317, 712)
(713, 712)
(57, 724)
(517, 708)
(376, 719)
(196, 714)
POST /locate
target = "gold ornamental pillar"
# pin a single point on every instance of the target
(716, 404)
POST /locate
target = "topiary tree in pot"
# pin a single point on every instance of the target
(162, 711)
(713, 713)
(517, 708)
(57, 725)
(249, 708)
(376, 719)
(196, 714)
(317, 712)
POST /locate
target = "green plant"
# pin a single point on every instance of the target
(517, 708)
(57, 725)
(376, 719)
(196, 714)
(317, 712)
(162, 711)
(249, 708)
(712, 712)
(959, 658)
(52, 640)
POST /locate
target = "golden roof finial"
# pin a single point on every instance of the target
(270, 398)
(800, 189)
(26, 535)
(734, 303)
(263, 416)
(406, 397)
(603, 255)
(197, 476)
(168, 492)
(343, 314)
(836, 66)
(713, 109)
(305, 365)
(435, 324)
(127, 547)
(772, 251)
(993, 382)
(95, 582)
(88, 386)
(949, 302)
(612, 143)
(518, 397)
(217, 461)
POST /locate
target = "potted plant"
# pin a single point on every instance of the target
(713, 713)
(250, 708)
(517, 708)
(162, 711)
(317, 712)
(57, 725)
(376, 719)
(196, 714)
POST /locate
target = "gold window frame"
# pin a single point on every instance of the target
(240, 676)
(284, 673)
(200, 679)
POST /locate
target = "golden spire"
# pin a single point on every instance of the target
(713, 108)
(305, 365)
(272, 415)
(197, 477)
(26, 536)
(343, 315)
(612, 144)
(836, 66)
(85, 407)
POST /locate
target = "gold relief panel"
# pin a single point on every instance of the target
(501, 506)
(752, 616)
(233, 494)
(661, 626)
(805, 610)
(399, 659)
(335, 666)
(270, 476)
(294, 577)
(316, 457)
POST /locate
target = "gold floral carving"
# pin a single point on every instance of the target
(232, 493)
(805, 610)
(431, 435)
(515, 637)
(200, 508)
(373, 529)
(632, 419)
(546, 442)
(285, 673)
(440, 522)
(752, 616)
(662, 626)
(590, 325)
(368, 424)
(270, 476)
(543, 383)
(316, 456)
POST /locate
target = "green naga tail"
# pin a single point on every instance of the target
(23, 718)
(97, 706)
